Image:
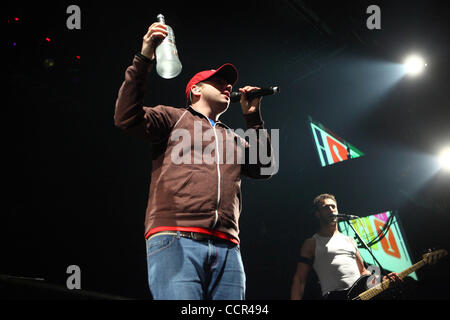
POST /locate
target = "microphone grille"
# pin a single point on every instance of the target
(235, 96)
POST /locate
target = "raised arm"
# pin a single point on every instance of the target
(260, 161)
(130, 113)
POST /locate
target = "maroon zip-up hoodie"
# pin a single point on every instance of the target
(195, 193)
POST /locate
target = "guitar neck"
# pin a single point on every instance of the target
(411, 269)
(372, 292)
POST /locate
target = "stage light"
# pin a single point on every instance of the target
(444, 159)
(414, 65)
(49, 63)
(13, 20)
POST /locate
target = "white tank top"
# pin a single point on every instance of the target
(335, 262)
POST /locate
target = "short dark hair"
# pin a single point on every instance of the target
(321, 197)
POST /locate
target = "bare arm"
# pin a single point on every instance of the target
(393, 275)
(362, 270)
(301, 274)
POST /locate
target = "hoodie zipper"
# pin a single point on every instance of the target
(218, 176)
(216, 213)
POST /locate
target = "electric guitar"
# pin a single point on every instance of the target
(360, 291)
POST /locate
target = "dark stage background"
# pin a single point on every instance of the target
(75, 187)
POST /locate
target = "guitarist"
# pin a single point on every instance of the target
(334, 256)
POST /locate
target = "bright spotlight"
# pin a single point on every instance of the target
(444, 159)
(414, 65)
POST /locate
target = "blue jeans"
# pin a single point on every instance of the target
(185, 269)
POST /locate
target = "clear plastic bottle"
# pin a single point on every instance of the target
(168, 64)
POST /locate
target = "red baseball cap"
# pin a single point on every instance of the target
(228, 72)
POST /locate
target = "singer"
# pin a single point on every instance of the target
(334, 256)
(192, 216)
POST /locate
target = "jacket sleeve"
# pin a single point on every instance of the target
(153, 123)
(259, 157)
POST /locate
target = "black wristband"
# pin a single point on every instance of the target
(140, 55)
(308, 261)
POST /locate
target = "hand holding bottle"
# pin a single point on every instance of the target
(155, 34)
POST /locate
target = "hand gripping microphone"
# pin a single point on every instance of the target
(236, 96)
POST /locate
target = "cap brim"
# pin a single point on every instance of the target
(228, 72)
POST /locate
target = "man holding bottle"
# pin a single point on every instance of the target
(191, 225)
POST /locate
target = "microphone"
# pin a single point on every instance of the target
(346, 216)
(236, 96)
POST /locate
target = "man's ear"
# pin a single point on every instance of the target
(195, 91)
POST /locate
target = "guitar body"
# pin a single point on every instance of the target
(358, 287)
(360, 291)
